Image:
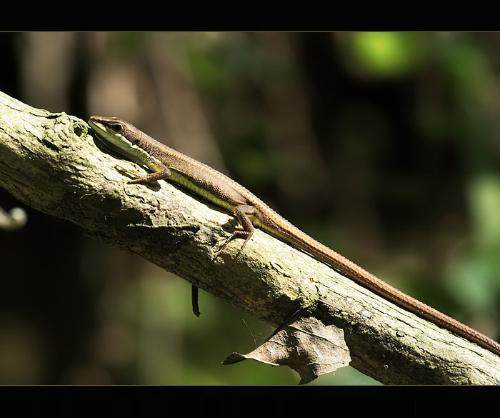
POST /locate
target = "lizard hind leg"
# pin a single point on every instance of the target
(246, 229)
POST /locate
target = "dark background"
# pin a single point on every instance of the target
(384, 146)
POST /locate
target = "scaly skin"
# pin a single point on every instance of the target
(169, 164)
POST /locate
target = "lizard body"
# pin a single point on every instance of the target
(169, 164)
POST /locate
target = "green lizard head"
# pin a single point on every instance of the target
(121, 137)
(111, 130)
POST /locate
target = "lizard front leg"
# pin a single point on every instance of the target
(161, 172)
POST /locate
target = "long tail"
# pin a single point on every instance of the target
(351, 270)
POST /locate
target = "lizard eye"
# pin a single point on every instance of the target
(116, 127)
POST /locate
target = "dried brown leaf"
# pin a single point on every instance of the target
(307, 346)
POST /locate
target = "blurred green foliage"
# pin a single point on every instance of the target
(387, 54)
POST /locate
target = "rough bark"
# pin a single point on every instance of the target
(51, 162)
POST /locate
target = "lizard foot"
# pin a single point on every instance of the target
(132, 174)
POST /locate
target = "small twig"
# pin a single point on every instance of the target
(14, 220)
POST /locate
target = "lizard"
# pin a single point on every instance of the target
(165, 163)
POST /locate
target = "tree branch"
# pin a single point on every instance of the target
(51, 162)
